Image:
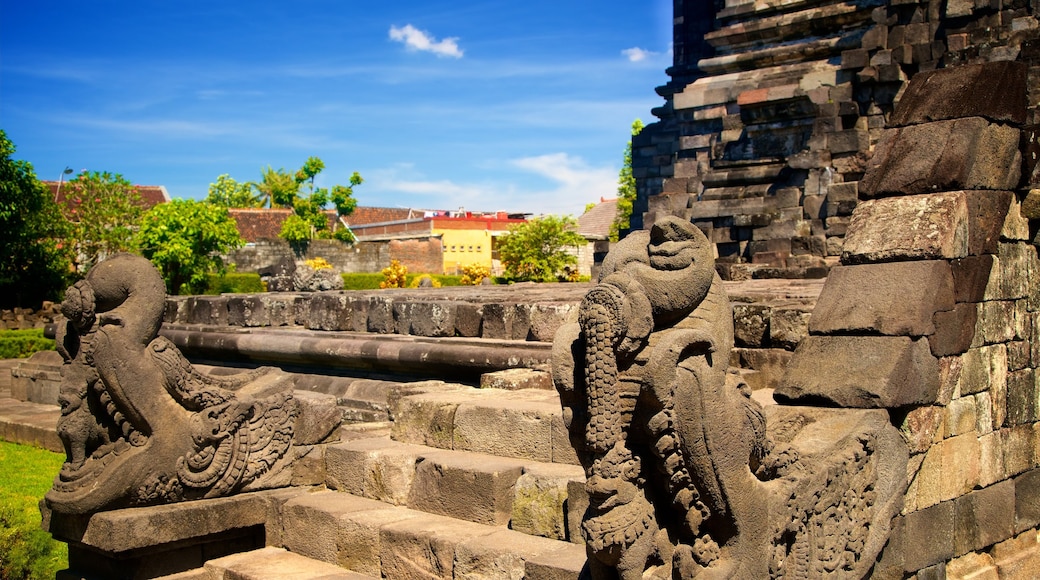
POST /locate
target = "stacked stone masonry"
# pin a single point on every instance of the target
(933, 315)
(774, 110)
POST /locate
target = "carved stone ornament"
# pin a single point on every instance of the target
(682, 477)
(139, 424)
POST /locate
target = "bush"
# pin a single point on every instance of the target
(474, 274)
(234, 283)
(23, 343)
(361, 281)
(394, 275)
(26, 551)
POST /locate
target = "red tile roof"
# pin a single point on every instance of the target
(378, 215)
(152, 195)
(265, 224)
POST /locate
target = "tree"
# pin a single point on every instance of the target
(626, 188)
(227, 192)
(184, 239)
(103, 209)
(285, 190)
(36, 263)
(537, 250)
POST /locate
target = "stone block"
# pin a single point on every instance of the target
(919, 227)
(500, 554)
(380, 315)
(973, 565)
(928, 536)
(515, 379)
(468, 319)
(960, 417)
(564, 563)
(425, 419)
(470, 487)
(329, 311)
(375, 468)
(923, 427)
(1027, 500)
(546, 319)
(991, 458)
(969, 153)
(893, 299)
(318, 416)
(497, 321)
(424, 546)
(862, 372)
(479, 425)
(995, 91)
(959, 472)
(210, 310)
(426, 318)
(249, 310)
(770, 363)
(996, 322)
(972, 275)
(273, 563)
(954, 330)
(1019, 449)
(1022, 398)
(788, 327)
(540, 497)
(984, 517)
(751, 324)
(981, 369)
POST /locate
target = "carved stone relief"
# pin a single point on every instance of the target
(683, 478)
(139, 424)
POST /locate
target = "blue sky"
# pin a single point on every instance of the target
(488, 105)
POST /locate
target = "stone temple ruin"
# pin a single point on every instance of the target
(615, 434)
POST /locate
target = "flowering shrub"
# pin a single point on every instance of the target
(474, 274)
(318, 263)
(394, 275)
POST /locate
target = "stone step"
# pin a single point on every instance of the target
(521, 424)
(32, 424)
(525, 495)
(394, 542)
(268, 563)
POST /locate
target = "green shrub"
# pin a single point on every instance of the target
(26, 551)
(23, 343)
(234, 283)
(370, 281)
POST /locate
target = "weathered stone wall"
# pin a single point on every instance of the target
(934, 316)
(419, 255)
(24, 318)
(774, 108)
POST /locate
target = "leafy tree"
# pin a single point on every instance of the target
(229, 193)
(184, 239)
(35, 264)
(537, 250)
(103, 209)
(626, 188)
(308, 203)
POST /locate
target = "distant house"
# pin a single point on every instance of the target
(594, 226)
(151, 195)
(466, 237)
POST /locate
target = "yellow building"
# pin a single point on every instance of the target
(466, 237)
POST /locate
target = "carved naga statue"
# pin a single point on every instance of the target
(139, 424)
(668, 445)
(682, 478)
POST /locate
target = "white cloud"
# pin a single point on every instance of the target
(577, 182)
(416, 39)
(572, 184)
(636, 54)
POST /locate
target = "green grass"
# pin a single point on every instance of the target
(26, 551)
(23, 343)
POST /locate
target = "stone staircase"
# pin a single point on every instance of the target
(461, 483)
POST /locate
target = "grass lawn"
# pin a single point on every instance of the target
(26, 551)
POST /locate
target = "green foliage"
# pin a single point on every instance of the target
(234, 283)
(103, 209)
(626, 188)
(295, 230)
(184, 238)
(34, 261)
(227, 192)
(415, 281)
(26, 551)
(297, 191)
(370, 281)
(537, 250)
(23, 343)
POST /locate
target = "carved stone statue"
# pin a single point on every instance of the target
(139, 424)
(682, 479)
